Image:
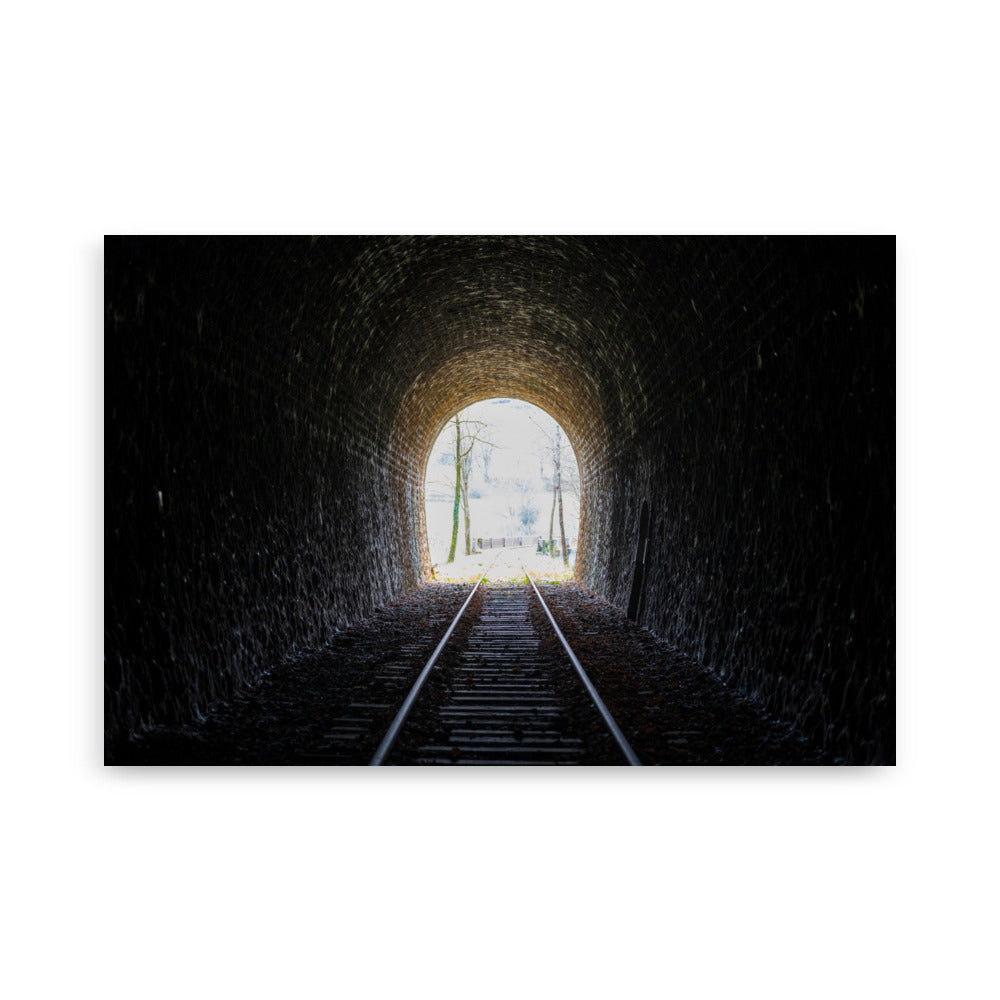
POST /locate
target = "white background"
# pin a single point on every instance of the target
(522, 117)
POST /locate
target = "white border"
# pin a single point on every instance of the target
(546, 118)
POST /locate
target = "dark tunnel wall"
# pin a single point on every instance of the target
(770, 473)
(269, 403)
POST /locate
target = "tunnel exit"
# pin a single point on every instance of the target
(501, 486)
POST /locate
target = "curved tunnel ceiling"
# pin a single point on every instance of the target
(448, 322)
(529, 316)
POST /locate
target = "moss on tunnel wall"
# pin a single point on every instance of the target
(269, 403)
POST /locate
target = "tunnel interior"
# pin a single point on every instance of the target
(270, 403)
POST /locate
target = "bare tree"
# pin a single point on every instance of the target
(554, 449)
(468, 433)
(466, 472)
(485, 454)
(571, 480)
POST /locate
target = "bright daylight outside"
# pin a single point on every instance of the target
(502, 488)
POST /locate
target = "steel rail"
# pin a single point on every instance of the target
(397, 723)
(623, 744)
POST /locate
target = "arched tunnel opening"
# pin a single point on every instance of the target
(269, 404)
(502, 474)
(489, 370)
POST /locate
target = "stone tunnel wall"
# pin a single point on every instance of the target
(245, 517)
(770, 474)
(269, 404)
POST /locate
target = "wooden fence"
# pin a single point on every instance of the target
(510, 542)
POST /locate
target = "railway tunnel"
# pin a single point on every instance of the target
(269, 404)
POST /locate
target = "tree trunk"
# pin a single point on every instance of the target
(558, 492)
(458, 489)
(552, 522)
(465, 511)
(562, 531)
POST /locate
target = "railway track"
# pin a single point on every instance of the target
(506, 690)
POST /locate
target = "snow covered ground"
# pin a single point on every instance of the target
(504, 564)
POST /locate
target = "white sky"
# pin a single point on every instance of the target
(517, 429)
